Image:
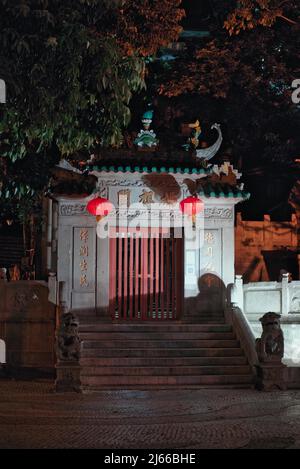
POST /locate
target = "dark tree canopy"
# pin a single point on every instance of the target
(244, 72)
(71, 68)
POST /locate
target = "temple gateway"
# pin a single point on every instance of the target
(147, 262)
(142, 288)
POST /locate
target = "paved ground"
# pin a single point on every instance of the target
(32, 416)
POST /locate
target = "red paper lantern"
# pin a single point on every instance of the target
(99, 207)
(191, 206)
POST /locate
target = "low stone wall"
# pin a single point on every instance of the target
(27, 325)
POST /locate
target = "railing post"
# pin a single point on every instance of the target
(285, 294)
(238, 292)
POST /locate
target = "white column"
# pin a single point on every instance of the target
(237, 296)
(191, 265)
(102, 286)
(285, 294)
(64, 263)
(49, 235)
(228, 255)
(2, 352)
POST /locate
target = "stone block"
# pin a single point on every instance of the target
(271, 377)
(68, 377)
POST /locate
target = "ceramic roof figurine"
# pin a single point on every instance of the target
(146, 137)
(193, 140)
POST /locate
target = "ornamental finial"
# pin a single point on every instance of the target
(146, 137)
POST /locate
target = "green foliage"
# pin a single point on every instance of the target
(66, 80)
(70, 78)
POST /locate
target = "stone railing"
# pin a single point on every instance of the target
(234, 316)
(264, 353)
(283, 298)
(260, 297)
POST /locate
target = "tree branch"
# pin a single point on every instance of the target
(285, 18)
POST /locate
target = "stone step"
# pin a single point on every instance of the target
(154, 327)
(98, 382)
(204, 321)
(149, 336)
(165, 371)
(170, 352)
(166, 361)
(147, 343)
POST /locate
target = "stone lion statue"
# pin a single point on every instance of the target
(68, 341)
(270, 347)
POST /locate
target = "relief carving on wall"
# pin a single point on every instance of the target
(72, 210)
(22, 300)
(147, 197)
(295, 304)
(124, 197)
(218, 212)
(103, 184)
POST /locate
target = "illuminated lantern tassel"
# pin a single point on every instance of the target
(192, 206)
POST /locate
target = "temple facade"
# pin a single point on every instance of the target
(146, 260)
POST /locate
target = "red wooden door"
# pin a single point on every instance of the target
(146, 276)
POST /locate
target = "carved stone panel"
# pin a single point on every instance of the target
(84, 258)
(211, 253)
(219, 213)
(72, 210)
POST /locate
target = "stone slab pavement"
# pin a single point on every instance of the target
(33, 416)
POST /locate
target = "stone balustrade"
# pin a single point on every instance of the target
(258, 298)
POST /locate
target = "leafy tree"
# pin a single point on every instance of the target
(71, 68)
(246, 69)
(249, 14)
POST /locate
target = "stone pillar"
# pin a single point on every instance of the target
(68, 355)
(238, 292)
(228, 254)
(192, 264)
(2, 352)
(271, 372)
(285, 294)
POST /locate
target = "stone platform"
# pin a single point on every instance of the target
(33, 416)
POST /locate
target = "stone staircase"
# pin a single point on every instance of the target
(150, 355)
